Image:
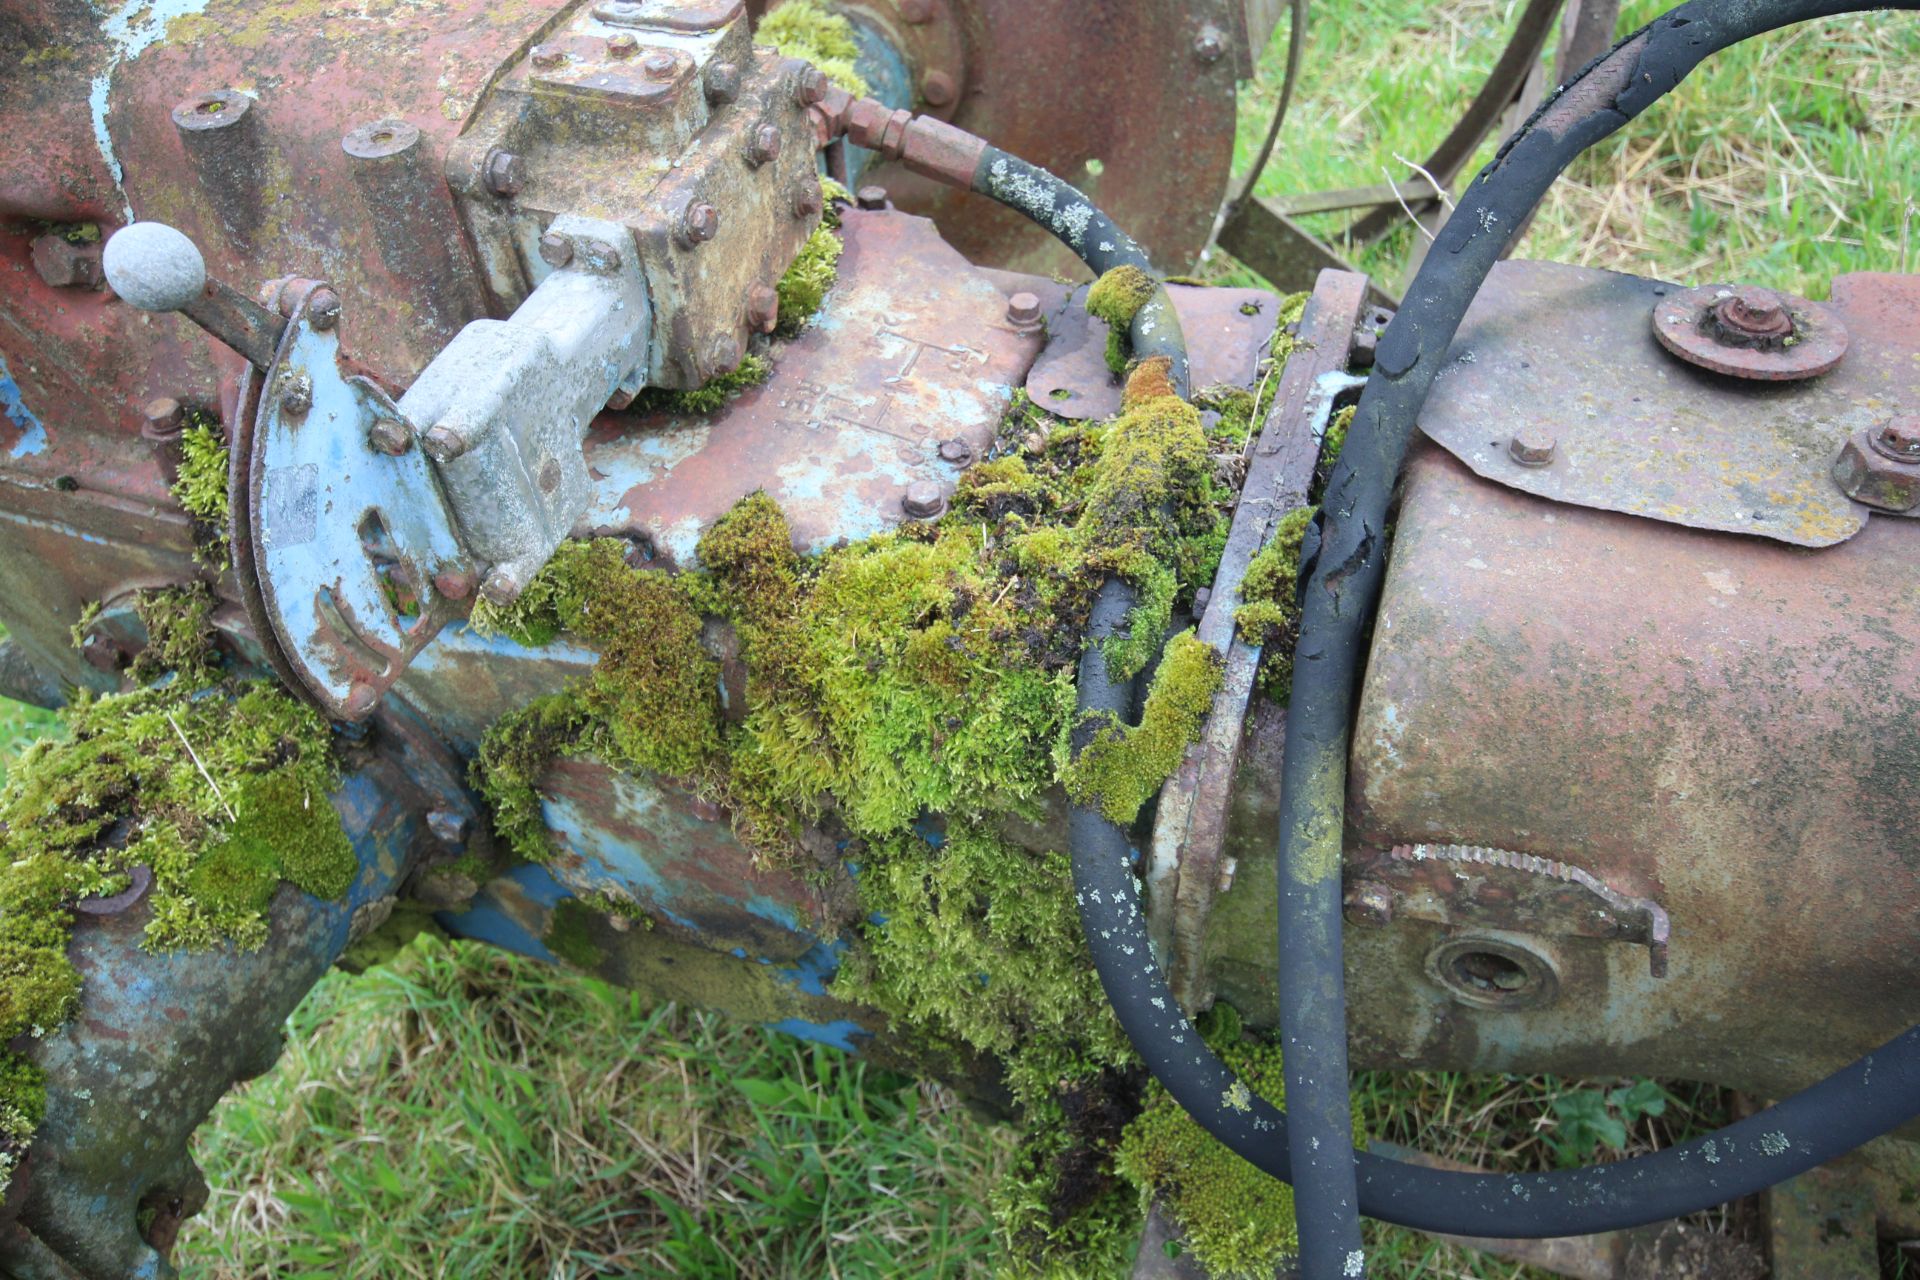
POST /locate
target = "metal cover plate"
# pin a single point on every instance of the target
(1569, 351)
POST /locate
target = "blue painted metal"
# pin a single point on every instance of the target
(33, 434)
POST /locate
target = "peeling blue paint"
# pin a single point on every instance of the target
(488, 920)
(841, 1034)
(33, 433)
(813, 971)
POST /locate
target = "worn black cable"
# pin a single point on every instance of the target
(1344, 585)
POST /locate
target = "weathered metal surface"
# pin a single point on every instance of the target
(913, 348)
(1649, 435)
(1724, 725)
(1117, 82)
(1186, 861)
(653, 842)
(1822, 1226)
(161, 1035)
(1746, 332)
(1228, 331)
(1463, 886)
(348, 542)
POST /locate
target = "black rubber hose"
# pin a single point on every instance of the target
(1344, 587)
(1077, 222)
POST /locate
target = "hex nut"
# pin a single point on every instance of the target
(62, 264)
(956, 451)
(1023, 310)
(659, 65)
(809, 86)
(699, 224)
(390, 436)
(506, 173)
(323, 310)
(871, 197)
(162, 418)
(1866, 474)
(764, 146)
(622, 45)
(806, 201)
(1531, 447)
(722, 82)
(924, 500)
(1900, 439)
(555, 249)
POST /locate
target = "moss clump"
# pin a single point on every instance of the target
(1116, 298)
(1122, 767)
(807, 281)
(217, 788)
(808, 30)
(1269, 612)
(711, 396)
(1335, 438)
(201, 486)
(1238, 1221)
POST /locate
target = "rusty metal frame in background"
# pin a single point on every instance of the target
(1266, 235)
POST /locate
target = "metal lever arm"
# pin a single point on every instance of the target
(156, 268)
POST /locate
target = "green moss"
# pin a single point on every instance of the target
(1116, 298)
(751, 372)
(201, 486)
(807, 281)
(1336, 436)
(1123, 766)
(218, 788)
(568, 934)
(1269, 612)
(23, 1102)
(807, 29)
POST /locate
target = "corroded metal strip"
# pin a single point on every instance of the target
(1185, 867)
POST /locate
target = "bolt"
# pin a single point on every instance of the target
(806, 200)
(1900, 439)
(924, 500)
(937, 88)
(723, 82)
(503, 586)
(809, 86)
(1531, 447)
(323, 310)
(699, 224)
(871, 197)
(104, 653)
(660, 65)
(548, 55)
(764, 145)
(763, 308)
(623, 45)
(453, 584)
(505, 173)
(1752, 312)
(956, 451)
(916, 12)
(296, 394)
(64, 265)
(444, 442)
(723, 356)
(1369, 902)
(1210, 45)
(162, 418)
(1023, 309)
(555, 249)
(390, 436)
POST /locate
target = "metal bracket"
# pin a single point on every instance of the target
(353, 548)
(1469, 885)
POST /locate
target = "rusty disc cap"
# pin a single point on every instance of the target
(1711, 327)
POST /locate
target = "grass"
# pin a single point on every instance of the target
(464, 1112)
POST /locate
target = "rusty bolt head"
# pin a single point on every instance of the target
(916, 12)
(1867, 473)
(763, 308)
(723, 356)
(722, 82)
(502, 586)
(699, 224)
(548, 55)
(1210, 45)
(390, 436)
(1369, 902)
(1023, 310)
(660, 65)
(296, 394)
(764, 145)
(162, 418)
(453, 584)
(924, 500)
(1754, 313)
(555, 249)
(323, 310)
(806, 200)
(506, 173)
(956, 451)
(809, 86)
(938, 89)
(1900, 439)
(623, 45)
(104, 653)
(1531, 447)
(64, 265)
(445, 441)
(871, 197)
